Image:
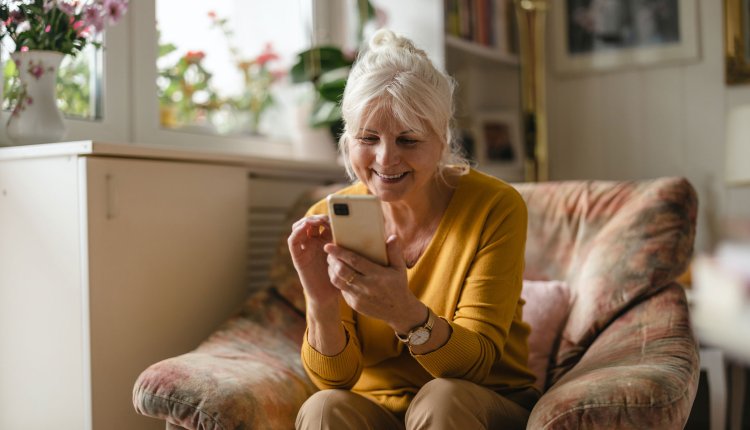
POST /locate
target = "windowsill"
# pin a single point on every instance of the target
(208, 155)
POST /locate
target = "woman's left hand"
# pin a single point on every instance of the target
(377, 291)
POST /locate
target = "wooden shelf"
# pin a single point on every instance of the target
(480, 51)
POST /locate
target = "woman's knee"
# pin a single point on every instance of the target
(318, 407)
(440, 401)
(343, 409)
(454, 403)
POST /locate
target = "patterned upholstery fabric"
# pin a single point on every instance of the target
(246, 375)
(613, 243)
(626, 357)
(640, 373)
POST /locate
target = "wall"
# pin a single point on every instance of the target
(658, 121)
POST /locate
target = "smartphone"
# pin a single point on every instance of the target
(357, 224)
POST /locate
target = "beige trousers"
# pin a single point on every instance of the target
(439, 404)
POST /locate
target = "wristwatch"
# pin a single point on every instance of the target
(421, 334)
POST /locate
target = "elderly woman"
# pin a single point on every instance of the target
(435, 339)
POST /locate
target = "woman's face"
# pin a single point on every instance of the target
(395, 162)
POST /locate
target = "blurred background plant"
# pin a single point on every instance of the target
(257, 75)
(185, 95)
(188, 98)
(327, 68)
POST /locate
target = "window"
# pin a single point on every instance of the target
(222, 65)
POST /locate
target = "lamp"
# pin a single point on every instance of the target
(531, 16)
(737, 168)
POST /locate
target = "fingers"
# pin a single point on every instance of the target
(311, 227)
(340, 274)
(311, 219)
(354, 260)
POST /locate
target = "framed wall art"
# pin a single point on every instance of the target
(609, 35)
(497, 144)
(737, 41)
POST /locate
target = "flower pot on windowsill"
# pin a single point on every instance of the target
(36, 117)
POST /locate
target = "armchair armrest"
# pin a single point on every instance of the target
(641, 372)
(247, 374)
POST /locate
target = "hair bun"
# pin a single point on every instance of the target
(384, 39)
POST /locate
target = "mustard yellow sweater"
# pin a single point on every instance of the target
(471, 275)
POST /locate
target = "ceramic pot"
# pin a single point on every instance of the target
(36, 118)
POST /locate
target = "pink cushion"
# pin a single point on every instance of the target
(547, 307)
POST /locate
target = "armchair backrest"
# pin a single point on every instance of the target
(614, 243)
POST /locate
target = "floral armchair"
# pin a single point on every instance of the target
(611, 340)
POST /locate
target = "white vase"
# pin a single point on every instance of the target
(36, 118)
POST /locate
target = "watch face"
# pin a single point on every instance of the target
(419, 336)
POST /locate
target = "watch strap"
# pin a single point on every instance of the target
(431, 317)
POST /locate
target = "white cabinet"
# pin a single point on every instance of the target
(113, 257)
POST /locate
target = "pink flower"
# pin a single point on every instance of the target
(24, 48)
(93, 17)
(194, 57)
(47, 28)
(267, 55)
(16, 17)
(278, 74)
(115, 9)
(49, 5)
(67, 8)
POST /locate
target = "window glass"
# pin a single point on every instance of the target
(223, 65)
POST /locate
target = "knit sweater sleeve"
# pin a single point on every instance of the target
(343, 369)
(489, 295)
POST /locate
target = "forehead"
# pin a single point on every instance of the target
(391, 117)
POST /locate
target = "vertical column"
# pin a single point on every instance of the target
(531, 24)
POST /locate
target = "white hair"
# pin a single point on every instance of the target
(394, 76)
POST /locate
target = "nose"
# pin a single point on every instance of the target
(387, 152)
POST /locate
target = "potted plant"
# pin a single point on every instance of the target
(327, 68)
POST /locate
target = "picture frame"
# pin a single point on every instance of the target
(737, 41)
(498, 149)
(611, 35)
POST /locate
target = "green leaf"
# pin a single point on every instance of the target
(325, 113)
(331, 84)
(166, 48)
(313, 62)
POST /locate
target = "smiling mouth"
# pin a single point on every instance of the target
(390, 177)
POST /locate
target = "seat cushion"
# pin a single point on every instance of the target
(247, 374)
(546, 309)
(641, 372)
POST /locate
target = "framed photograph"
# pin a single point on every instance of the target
(608, 35)
(497, 144)
(737, 41)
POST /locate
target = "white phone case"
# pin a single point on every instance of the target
(362, 229)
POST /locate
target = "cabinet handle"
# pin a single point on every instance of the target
(111, 209)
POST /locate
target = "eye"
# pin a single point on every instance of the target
(368, 139)
(407, 141)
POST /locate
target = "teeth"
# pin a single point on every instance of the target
(384, 176)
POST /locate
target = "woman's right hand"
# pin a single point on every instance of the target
(306, 242)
